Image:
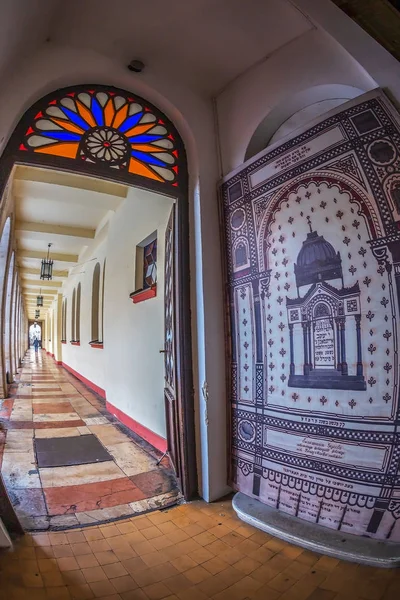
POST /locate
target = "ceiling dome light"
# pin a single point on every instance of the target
(136, 66)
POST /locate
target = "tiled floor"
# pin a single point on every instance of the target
(48, 402)
(190, 552)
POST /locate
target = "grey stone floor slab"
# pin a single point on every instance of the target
(344, 546)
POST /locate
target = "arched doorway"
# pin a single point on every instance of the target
(4, 252)
(35, 333)
(9, 307)
(110, 134)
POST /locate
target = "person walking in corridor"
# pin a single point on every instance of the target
(36, 344)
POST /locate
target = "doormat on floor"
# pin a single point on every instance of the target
(68, 451)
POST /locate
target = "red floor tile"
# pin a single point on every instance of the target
(44, 425)
(91, 496)
(154, 482)
(45, 409)
(6, 408)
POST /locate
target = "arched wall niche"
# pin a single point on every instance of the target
(8, 312)
(296, 112)
(78, 313)
(5, 251)
(103, 281)
(73, 316)
(64, 320)
(95, 331)
(14, 301)
(111, 133)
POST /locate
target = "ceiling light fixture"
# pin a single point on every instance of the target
(39, 299)
(46, 270)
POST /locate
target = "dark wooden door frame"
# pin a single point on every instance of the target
(15, 154)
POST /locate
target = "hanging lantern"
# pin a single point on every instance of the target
(37, 314)
(39, 299)
(46, 270)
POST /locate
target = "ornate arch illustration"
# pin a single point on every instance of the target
(241, 253)
(356, 196)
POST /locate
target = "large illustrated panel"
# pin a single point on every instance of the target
(313, 251)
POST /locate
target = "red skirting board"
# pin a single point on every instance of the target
(87, 382)
(153, 438)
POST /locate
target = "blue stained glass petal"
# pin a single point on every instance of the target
(75, 118)
(148, 158)
(65, 136)
(97, 111)
(130, 122)
(145, 138)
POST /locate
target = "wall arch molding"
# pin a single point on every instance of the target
(265, 133)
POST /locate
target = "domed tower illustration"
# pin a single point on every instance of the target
(323, 313)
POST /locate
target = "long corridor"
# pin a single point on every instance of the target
(66, 461)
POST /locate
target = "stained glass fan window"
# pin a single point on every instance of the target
(107, 128)
(150, 265)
